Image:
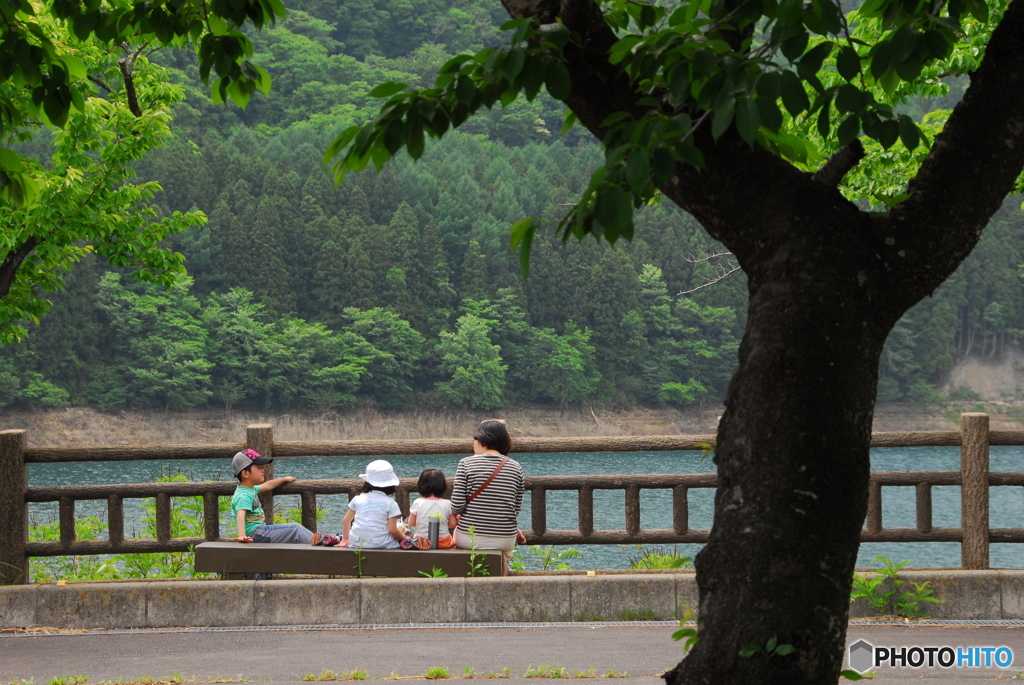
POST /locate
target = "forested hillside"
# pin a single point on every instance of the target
(401, 288)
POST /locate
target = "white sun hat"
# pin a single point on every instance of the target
(380, 474)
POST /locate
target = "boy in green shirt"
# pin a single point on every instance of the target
(250, 522)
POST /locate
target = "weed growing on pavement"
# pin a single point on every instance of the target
(641, 614)
(435, 572)
(853, 675)
(468, 671)
(503, 673)
(546, 672)
(436, 673)
(69, 680)
(892, 601)
(612, 674)
(590, 673)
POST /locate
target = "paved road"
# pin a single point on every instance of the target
(642, 652)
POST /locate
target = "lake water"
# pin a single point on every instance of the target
(898, 505)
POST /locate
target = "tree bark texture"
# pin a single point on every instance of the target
(826, 283)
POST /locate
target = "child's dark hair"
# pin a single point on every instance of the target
(239, 474)
(431, 483)
(493, 435)
(389, 490)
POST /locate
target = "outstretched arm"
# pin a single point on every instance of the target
(271, 484)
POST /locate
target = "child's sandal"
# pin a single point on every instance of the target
(407, 544)
(324, 540)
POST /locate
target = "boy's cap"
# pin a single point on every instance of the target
(380, 474)
(243, 460)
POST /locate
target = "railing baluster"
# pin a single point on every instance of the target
(974, 491)
(402, 498)
(874, 507)
(632, 510)
(163, 518)
(13, 508)
(538, 511)
(924, 507)
(67, 520)
(115, 520)
(309, 509)
(680, 510)
(586, 510)
(211, 516)
(260, 437)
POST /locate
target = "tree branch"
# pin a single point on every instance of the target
(13, 260)
(838, 165)
(101, 83)
(972, 166)
(127, 66)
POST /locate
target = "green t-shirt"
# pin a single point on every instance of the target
(246, 499)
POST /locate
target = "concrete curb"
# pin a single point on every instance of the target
(157, 604)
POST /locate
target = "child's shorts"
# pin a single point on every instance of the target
(447, 542)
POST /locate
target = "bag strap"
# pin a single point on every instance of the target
(487, 482)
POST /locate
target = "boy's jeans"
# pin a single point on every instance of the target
(282, 532)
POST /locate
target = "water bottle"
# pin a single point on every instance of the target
(433, 533)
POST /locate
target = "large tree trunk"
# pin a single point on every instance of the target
(793, 465)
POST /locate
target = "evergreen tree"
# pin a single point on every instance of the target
(473, 275)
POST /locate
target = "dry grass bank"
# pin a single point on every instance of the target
(81, 426)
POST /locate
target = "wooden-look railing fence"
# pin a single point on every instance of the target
(973, 478)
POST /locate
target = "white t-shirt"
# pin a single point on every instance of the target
(370, 528)
(423, 508)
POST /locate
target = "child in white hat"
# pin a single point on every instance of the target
(371, 521)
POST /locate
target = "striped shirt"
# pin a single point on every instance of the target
(493, 511)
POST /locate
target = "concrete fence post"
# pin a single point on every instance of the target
(260, 437)
(974, 490)
(13, 510)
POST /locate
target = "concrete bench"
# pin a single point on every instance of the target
(234, 559)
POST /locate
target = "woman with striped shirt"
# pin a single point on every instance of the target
(488, 492)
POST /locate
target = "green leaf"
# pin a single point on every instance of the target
(74, 66)
(812, 61)
(613, 208)
(721, 117)
(903, 43)
(909, 133)
(556, 78)
(638, 171)
(513, 63)
(556, 33)
(414, 137)
(851, 675)
(569, 122)
(824, 121)
(465, 90)
(704, 62)
(848, 63)
(889, 131)
(689, 153)
(848, 130)
(664, 165)
(774, 640)
(771, 115)
(849, 98)
(785, 650)
(748, 119)
(679, 84)
(532, 77)
(910, 68)
(750, 651)
(386, 90)
(881, 58)
(937, 44)
(521, 238)
(794, 97)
